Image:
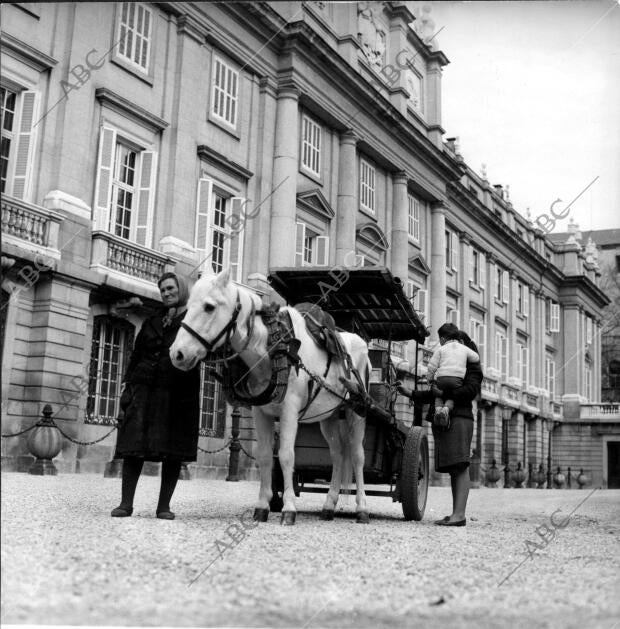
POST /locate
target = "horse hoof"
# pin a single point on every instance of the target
(261, 515)
(288, 518)
(363, 517)
(327, 514)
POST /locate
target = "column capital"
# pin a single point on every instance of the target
(348, 136)
(288, 88)
(465, 237)
(439, 207)
(400, 177)
(267, 85)
(491, 257)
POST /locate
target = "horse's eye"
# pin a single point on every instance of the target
(209, 307)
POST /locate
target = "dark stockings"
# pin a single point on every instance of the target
(132, 466)
(169, 477)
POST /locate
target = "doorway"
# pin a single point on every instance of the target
(613, 465)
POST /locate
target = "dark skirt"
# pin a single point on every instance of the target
(453, 446)
(159, 424)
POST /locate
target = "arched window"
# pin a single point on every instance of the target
(111, 348)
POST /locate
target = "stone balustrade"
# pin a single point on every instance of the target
(604, 412)
(30, 223)
(128, 257)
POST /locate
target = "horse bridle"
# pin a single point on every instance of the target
(227, 330)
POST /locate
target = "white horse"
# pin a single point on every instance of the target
(219, 311)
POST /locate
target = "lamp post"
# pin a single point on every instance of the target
(235, 448)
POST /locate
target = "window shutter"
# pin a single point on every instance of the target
(526, 366)
(300, 237)
(498, 351)
(519, 359)
(454, 317)
(526, 300)
(236, 239)
(455, 251)
(482, 342)
(202, 240)
(103, 186)
(26, 145)
(472, 329)
(588, 330)
(505, 369)
(552, 379)
(505, 286)
(482, 265)
(555, 317)
(322, 250)
(470, 263)
(146, 198)
(495, 281)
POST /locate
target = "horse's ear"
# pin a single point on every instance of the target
(223, 277)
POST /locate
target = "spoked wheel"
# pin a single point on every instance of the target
(277, 487)
(414, 474)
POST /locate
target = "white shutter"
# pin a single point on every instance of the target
(470, 264)
(482, 266)
(526, 300)
(202, 239)
(454, 317)
(555, 317)
(105, 173)
(588, 330)
(505, 287)
(322, 250)
(498, 351)
(472, 330)
(235, 255)
(505, 357)
(552, 379)
(482, 342)
(455, 251)
(146, 198)
(519, 359)
(421, 304)
(300, 238)
(495, 281)
(26, 145)
(525, 362)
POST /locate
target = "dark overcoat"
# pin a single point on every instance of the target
(160, 406)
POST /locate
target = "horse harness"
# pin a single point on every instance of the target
(283, 350)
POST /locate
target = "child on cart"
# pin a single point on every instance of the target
(447, 369)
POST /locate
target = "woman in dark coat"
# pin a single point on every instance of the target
(159, 405)
(453, 445)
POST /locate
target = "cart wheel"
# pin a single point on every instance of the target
(414, 474)
(277, 487)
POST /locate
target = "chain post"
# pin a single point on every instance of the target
(235, 447)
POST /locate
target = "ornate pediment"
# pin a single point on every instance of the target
(418, 263)
(372, 235)
(315, 202)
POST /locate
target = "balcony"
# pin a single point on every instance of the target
(127, 265)
(604, 413)
(30, 231)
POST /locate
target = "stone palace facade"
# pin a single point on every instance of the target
(135, 134)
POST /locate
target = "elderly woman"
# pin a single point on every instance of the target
(160, 404)
(453, 444)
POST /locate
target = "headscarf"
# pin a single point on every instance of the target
(183, 296)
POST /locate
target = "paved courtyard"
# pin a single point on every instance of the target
(66, 561)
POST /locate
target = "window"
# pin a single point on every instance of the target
(477, 268)
(477, 333)
(523, 360)
(311, 145)
(225, 92)
(501, 354)
(505, 287)
(414, 87)
(367, 186)
(413, 225)
(125, 189)
(212, 405)
(19, 117)
(111, 346)
(420, 304)
(588, 331)
(135, 34)
(453, 316)
(550, 376)
(219, 229)
(452, 250)
(523, 299)
(311, 249)
(614, 374)
(554, 317)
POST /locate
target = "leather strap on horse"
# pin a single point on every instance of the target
(282, 349)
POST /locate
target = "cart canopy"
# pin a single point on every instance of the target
(368, 301)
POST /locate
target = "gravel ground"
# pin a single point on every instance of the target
(65, 561)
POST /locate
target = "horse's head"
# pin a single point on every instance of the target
(212, 302)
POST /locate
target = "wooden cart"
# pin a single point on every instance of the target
(369, 302)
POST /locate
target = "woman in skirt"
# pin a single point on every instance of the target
(453, 444)
(159, 405)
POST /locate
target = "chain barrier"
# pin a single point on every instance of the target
(83, 443)
(246, 452)
(21, 432)
(216, 451)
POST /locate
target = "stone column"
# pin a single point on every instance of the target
(597, 358)
(571, 374)
(347, 207)
(283, 200)
(490, 304)
(438, 269)
(433, 102)
(512, 328)
(464, 245)
(400, 238)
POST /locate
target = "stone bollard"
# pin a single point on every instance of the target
(582, 479)
(44, 442)
(519, 476)
(184, 472)
(559, 479)
(492, 475)
(235, 448)
(474, 471)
